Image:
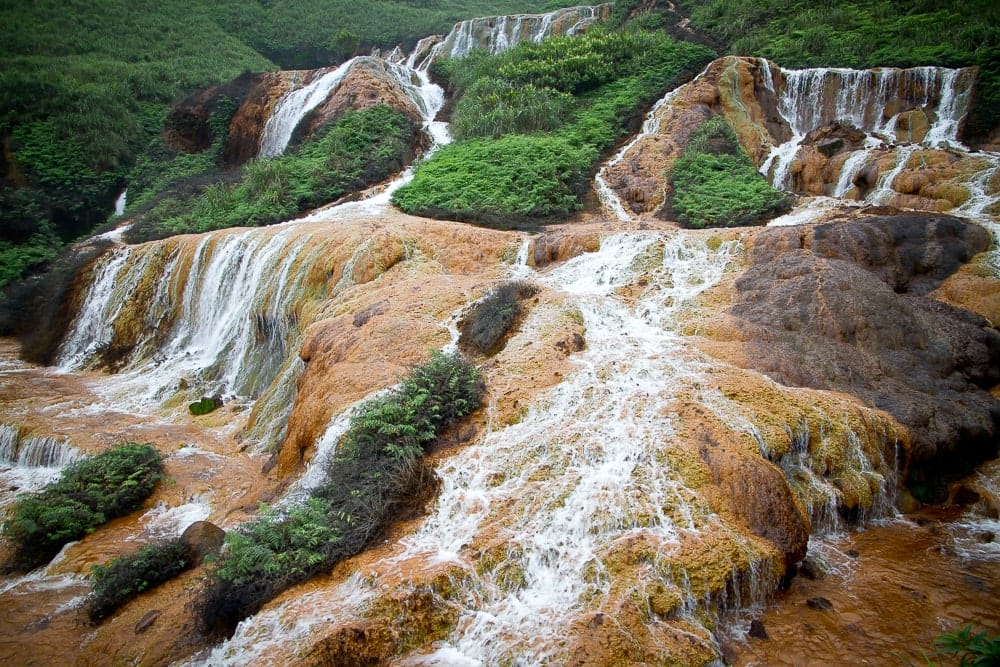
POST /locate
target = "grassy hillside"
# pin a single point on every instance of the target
(85, 87)
(533, 122)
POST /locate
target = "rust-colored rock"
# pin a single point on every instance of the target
(201, 539)
(761, 498)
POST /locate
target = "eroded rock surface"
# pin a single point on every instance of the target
(841, 307)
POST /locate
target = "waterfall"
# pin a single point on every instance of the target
(120, 202)
(221, 316)
(294, 106)
(27, 463)
(589, 463)
(817, 97)
(497, 34)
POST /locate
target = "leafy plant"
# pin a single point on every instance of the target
(126, 577)
(715, 183)
(88, 493)
(359, 148)
(971, 650)
(488, 322)
(377, 466)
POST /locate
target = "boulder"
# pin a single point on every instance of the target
(202, 538)
(841, 307)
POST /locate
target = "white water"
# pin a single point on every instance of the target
(883, 193)
(497, 34)
(120, 202)
(813, 98)
(29, 463)
(294, 106)
(588, 464)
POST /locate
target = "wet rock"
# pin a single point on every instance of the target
(760, 497)
(819, 604)
(555, 247)
(841, 307)
(205, 405)
(757, 630)
(810, 568)
(362, 317)
(147, 621)
(367, 83)
(247, 125)
(202, 538)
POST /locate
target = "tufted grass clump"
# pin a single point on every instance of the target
(126, 577)
(89, 493)
(715, 184)
(486, 326)
(377, 467)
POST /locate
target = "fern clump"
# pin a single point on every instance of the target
(127, 576)
(89, 493)
(377, 467)
(715, 184)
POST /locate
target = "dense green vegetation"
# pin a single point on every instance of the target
(311, 33)
(85, 87)
(359, 148)
(715, 183)
(88, 493)
(377, 466)
(484, 329)
(127, 576)
(535, 120)
(968, 648)
(900, 33)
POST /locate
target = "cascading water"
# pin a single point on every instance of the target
(29, 463)
(817, 97)
(294, 106)
(590, 465)
(496, 34)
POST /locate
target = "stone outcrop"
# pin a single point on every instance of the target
(367, 83)
(842, 307)
(247, 125)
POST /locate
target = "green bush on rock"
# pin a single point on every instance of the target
(489, 321)
(127, 576)
(89, 492)
(532, 123)
(359, 148)
(377, 466)
(715, 184)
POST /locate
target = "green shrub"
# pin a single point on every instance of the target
(715, 184)
(126, 577)
(89, 492)
(971, 650)
(584, 93)
(377, 466)
(494, 107)
(486, 326)
(502, 183)
(359, 148)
